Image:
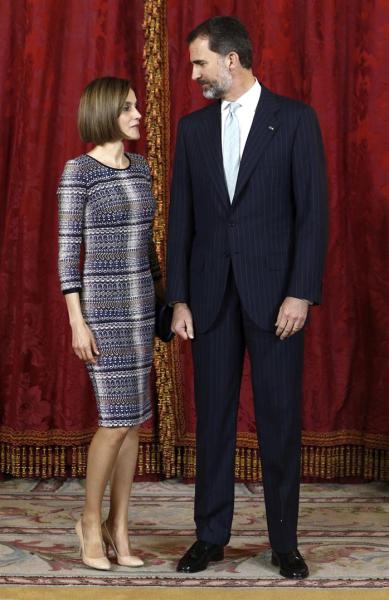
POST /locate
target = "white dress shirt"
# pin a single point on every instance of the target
(245, 113)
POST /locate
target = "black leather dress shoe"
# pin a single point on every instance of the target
(198, 556)
(292, 565)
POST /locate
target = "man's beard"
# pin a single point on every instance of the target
(218, 87)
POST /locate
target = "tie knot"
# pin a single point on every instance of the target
(233, 106)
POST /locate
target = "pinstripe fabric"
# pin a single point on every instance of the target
(234, 263)
(276, 374)
(273, 233)
(112, 210)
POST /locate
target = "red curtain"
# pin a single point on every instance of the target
(49, 51)
(329, 53)
(332, 55)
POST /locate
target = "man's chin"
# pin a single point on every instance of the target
(209, 94)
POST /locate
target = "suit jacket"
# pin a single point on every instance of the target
(273, 234)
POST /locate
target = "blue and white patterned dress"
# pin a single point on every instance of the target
(111, 211)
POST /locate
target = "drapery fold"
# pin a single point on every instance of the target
(332, 56)
(329, 54)
(49, 52)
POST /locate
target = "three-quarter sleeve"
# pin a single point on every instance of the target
(71, 206)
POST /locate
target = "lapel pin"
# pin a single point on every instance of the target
(271, 127)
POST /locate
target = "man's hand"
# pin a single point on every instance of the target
(291, 316)
(182, 323)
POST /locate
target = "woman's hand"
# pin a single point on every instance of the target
(84, 342)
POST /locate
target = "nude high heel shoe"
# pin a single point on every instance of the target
(95, 563)
(124, 561)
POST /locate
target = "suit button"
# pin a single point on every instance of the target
(231, 224)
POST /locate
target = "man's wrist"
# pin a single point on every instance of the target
(176, 302)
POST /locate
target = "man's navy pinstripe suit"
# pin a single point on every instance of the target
(234, 264)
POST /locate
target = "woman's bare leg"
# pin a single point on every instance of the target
(121, 480)
(103, 452)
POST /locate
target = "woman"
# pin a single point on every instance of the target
(105, 201)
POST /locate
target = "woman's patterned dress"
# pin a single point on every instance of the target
(111, 211)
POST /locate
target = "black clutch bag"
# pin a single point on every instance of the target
(163, 321)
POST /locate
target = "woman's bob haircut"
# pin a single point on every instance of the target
(101, 103)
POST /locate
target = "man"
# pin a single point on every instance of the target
(246, 246)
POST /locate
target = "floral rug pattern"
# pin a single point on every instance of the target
(343, 532)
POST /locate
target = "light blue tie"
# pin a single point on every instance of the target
(231, 148)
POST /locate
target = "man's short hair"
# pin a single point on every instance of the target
(225, 34)
(100, 106)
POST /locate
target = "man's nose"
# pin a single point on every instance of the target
(195, 72)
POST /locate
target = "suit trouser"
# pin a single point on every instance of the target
(276, 370)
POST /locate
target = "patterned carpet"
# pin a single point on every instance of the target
(344, 536)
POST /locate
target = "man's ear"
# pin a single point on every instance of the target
(232, 60)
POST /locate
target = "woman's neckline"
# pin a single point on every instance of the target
(109, 166)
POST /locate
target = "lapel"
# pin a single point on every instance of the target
(263, 128)
(210, 140)
(258, 138)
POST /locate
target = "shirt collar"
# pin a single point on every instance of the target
(249, 99)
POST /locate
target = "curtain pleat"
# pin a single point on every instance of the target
(330, 54)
